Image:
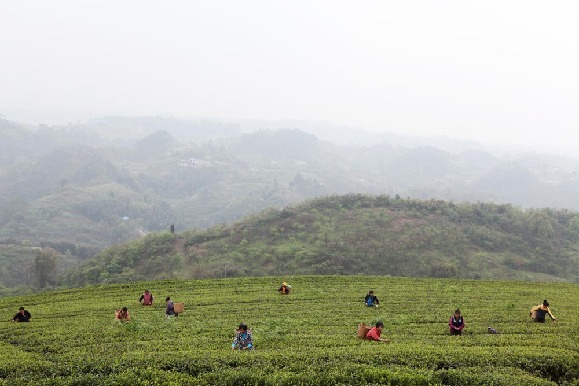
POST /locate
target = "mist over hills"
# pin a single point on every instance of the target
(87, 186)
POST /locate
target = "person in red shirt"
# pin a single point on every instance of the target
(375, 332)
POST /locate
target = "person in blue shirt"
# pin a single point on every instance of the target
(243, 339)
(371, 300)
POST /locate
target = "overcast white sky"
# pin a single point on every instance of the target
(497, 71)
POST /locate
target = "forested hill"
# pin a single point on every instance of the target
(357, 234)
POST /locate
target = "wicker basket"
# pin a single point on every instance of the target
(363, 330)
(179, 307)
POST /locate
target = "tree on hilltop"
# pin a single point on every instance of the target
(45, 267)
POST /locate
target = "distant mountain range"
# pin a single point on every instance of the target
(115, 179)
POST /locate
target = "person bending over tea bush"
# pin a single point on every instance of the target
(123, 314)
(375, 332)
(539, 312)
(146, 299)
(243, 339)
(456, 323)
(285, 288)
(170, 309)
(371, 300)
(22, 316)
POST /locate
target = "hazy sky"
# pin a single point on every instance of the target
(499, 71)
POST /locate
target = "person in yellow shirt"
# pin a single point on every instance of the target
(539, 312)
(284, 289)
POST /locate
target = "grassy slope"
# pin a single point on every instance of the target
(305, 338)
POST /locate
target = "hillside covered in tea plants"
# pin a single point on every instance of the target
(305, 338)
(357, 235)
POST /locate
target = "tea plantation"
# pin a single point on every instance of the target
(306, 338)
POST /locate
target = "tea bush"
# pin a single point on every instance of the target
(306, 338)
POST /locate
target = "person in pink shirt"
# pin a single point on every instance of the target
(146, 299)
(375, 332)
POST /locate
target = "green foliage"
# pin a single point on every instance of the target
(16, 265)
(305, 338)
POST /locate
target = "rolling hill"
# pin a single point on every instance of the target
(361, 235)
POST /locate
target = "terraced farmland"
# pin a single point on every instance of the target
(306, 338)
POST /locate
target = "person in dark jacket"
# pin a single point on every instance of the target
(371, 300)
(456, 323)
(170, 310)
(22, 315)
(539, 312)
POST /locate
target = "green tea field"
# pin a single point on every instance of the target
(305, 338)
